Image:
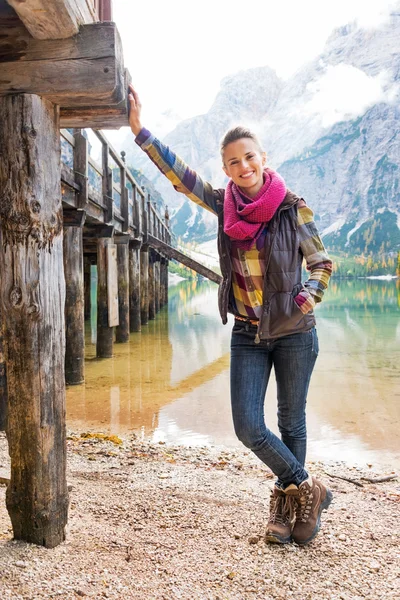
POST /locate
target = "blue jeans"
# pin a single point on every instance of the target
(293, 358)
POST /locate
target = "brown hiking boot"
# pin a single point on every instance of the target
(281, 512)
(311, 498)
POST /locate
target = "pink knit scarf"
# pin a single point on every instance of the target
(244, 217)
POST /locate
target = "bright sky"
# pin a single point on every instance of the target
(178, 51)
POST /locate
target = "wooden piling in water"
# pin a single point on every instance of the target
(105, 333)
(32, 293)
(151, 284)
(134, 289)
(74, 301)
(122, 330)
(164, 281)
(157, 283)
(144, 285)
(86, 284)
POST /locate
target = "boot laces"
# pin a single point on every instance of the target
(281, 509)
(304, 504)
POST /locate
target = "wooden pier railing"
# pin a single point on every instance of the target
(106, 190)
(110, 221)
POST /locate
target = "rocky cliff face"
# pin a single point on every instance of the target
(331, 130)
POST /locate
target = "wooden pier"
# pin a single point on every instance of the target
(61, 212)
(108, 221)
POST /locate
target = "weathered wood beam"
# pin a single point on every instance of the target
(122, 330)
(3, 380)
(151, 287)
(105, 333)
(74, 298)
(96, 117)
(182, 258)
(32, 293)
(85, 70)
(144, 285)
(163, 281)
(134, 288)
(56, 19)
(87, 283)
(157, 283)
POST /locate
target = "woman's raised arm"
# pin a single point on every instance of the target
(182, 177)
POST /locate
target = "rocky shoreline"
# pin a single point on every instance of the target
(152, 521)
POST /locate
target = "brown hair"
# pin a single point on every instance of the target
(238, 133)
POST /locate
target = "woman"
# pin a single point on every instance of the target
(264, 232)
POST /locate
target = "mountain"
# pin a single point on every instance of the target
(351, 178)
(331, 129)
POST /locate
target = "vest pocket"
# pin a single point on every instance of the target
(285, 316)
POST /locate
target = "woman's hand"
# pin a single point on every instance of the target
(134, 111)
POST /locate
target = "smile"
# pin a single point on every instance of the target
(247, 175)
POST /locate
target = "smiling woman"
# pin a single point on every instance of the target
(265, 231)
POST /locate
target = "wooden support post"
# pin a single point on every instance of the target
(122, 331)
(3, 380)
(151, 285)
(124, 201)
(164, 280)
(157, 283)
(105, 334)
(144, 285)
(32, 294)
(134, 289)
(162, 300)
(87, 284)
(74, 302)
(81, 167)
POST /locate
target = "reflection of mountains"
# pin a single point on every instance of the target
(171, 357)
(357, 379)
(364, 295)
(128, 390)
(174, 375)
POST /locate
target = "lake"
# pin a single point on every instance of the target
(171, 381)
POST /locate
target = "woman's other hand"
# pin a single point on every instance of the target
(134, 111)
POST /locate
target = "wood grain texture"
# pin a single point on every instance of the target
(134, 289)
(144, 285)
(105, 334)
(81, 167)
(32, 294)
(151, 287)
(3, 379)
(167, 250)
(98, 117)
(55, 19)
(157, 283)
(122, 331)
(85, 70)
(163, 281)
(112, 285)
(74, 306)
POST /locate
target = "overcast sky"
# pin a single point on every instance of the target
(178, 51)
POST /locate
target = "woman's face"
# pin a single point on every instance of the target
(244, 163)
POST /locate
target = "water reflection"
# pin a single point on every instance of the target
(172, 381)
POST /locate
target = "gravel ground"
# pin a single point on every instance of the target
(151, 521)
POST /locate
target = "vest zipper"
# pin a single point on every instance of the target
(257, 339)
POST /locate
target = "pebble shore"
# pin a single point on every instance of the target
(157, 522)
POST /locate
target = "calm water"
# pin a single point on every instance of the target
(171, 382)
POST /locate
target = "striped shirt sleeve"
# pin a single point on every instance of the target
(178, 173)
(316, 257)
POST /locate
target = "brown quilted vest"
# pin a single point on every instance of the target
(282, 281)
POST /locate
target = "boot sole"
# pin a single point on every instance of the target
(274, 539)
(323, 506)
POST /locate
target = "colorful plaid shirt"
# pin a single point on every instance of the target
(248, 266)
